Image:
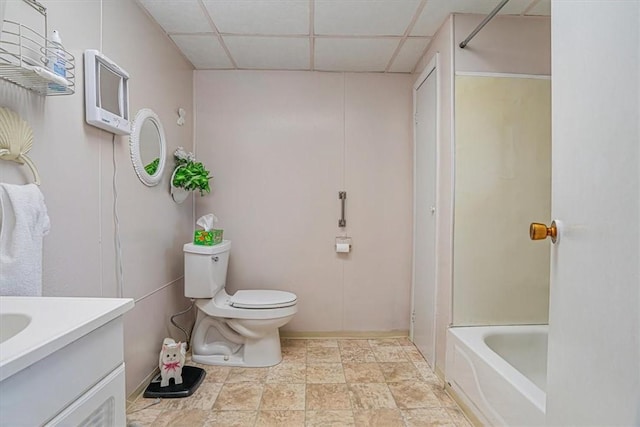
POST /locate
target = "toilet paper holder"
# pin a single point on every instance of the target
(343, 244)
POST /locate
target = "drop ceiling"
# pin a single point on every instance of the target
(323, 35)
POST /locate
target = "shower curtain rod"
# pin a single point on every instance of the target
(489, 17)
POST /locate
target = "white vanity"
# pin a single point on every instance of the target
(62, 361)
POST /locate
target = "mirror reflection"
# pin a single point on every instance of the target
(147, 145)
(150, 146)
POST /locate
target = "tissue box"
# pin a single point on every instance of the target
(207, 238)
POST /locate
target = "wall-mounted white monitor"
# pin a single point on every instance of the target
(106, 93)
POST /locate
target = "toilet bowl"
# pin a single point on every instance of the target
(232, 330)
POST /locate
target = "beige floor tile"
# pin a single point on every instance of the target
(144, 417)
(443, 397)
(181, 418)
(289, 397)
(322, 343)
(142, 403)
(231, 419)
(322, 373)
(412, 395)
(215, 374)
(364, 382)
(176, 404)
(286, 372)
(280, 419)
(243, 396)
(427, 418)
(323, 355)
(378, 418)
(400, 371)
(385, 342)
(294, 355)
(293, 342)
(329, 419)
(458, 417)
(389, 354)
(405, 341)
(327, 396)
(350, 343)
(363, 373)
(238, 375)
(371, 396)
(427, 374)
(203, 398)
(357, 354)
(413, 354)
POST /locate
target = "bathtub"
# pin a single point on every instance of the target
(500, 372)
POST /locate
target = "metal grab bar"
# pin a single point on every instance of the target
(342, 195)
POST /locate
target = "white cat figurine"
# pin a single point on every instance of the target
(172, 357)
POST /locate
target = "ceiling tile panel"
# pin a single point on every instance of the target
(269, 53)
(267, 17)
(435, 12)
(409, 55)
(543, 7)
(353, 35)
(185, 16)
(363, 17)
(204, 51)
(335, 54)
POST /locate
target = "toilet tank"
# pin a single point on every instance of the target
(205, 269)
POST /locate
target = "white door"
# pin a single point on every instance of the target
(424, 219)
(594, 346)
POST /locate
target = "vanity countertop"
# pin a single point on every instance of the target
(54, 323)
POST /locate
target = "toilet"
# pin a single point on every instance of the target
(232, 330)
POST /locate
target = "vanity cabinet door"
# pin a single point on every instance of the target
(103, 405)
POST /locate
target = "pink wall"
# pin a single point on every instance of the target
(280, 146)
(75, 163)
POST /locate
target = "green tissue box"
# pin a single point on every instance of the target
(207, 238)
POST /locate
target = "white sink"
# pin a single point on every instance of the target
(12, 324)
(54, 323)
(62, 360)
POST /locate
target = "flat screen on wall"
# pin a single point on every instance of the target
(106, 93)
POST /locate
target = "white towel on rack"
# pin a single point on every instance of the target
(23, 223)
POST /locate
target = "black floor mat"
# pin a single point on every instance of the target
(192, 377)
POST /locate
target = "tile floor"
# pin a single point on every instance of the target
(320, 382)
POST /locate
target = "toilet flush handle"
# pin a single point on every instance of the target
(214, 258)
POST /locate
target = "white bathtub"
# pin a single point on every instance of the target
(500, 372)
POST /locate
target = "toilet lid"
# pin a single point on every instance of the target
(262, 299)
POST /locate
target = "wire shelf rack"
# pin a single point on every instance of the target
(26, 58)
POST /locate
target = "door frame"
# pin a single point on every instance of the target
(431, 68)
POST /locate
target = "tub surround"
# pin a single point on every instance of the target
(504, 46)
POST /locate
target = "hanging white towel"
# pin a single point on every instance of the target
(23, 223)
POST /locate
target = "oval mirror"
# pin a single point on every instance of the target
(148, 147)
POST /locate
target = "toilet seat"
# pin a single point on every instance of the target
(262, 299)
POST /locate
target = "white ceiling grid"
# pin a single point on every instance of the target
(326, 35)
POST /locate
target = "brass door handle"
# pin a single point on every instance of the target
(539, 231)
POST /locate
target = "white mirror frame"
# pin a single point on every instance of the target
(134, 146)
